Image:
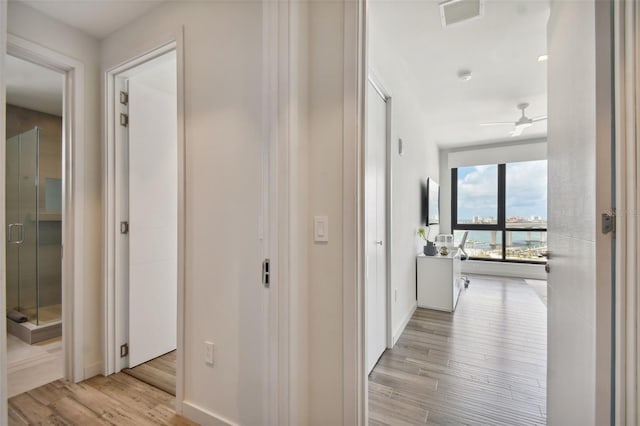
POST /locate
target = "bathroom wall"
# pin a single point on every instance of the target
(20, 120)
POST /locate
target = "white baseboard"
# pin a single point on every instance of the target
(202, 416)
(504, 269)
(92, 370)
(398, 332)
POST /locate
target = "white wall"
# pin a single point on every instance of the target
(225, 302)
(31, 25)
(325, 176)
(418, 162)
(300, 225)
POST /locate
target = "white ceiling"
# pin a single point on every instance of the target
(501, 49)
(34, 87)
(98, 18)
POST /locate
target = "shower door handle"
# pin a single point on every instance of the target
(21, 240)
(10, 233)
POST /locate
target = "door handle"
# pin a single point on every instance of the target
(547, 268)
(379, 242)
(21, 226)
(10, 233)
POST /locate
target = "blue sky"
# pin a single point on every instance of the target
(526, 190)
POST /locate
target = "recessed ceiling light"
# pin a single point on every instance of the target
(543, 58)
(464, 75)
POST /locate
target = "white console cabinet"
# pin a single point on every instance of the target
(439, 281)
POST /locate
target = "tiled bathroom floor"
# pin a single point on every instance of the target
(30, 366)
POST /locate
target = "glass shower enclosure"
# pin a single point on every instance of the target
(33, 246)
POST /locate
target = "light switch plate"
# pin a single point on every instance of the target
(321, 229)
(208, 353)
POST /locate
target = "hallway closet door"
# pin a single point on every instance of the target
(153, 212)
(375, 225)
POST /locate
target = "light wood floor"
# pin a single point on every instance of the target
(30, 366)
(485, 364)
(159, 372)
(115, 400)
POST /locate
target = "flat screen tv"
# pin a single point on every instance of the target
(430, 202)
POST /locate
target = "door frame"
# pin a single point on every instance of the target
(355, 29)
(3, 261)
(113, 287)
(627, 168)
(73, 202)
(387, 98)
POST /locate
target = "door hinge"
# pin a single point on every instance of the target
(124, 98)
(124, 227)
(609, 223)
(124, 350)
(124, 120)
(265, 273)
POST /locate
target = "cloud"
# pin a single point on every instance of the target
(526, 190)
(477, 191)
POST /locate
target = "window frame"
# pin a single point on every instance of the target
(500, 226)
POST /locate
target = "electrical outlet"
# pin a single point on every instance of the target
(208, 353)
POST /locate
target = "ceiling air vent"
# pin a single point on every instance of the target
(456, 11)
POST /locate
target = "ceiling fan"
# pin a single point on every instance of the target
(522, 123)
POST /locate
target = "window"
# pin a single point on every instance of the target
(478, 194)
(504, 208)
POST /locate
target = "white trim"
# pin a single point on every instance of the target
(627, 133)
(182, 222)
(405, 321)
(73, 195)
(277, 129)
(3, 262)
(354, 344)
(111, 218)
(203, 416)
(92, 370)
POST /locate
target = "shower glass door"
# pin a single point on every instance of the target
(22, 224)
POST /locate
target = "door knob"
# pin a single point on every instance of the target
(379, 242)
(547, 268)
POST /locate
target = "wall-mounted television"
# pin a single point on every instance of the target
(430, 202)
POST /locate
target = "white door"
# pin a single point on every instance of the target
(153, 210)
(579, 184)
(375, 226)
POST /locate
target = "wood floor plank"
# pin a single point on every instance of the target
(159, 372)
(115, 400)
(485, 364)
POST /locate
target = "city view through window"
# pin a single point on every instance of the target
(506, 220)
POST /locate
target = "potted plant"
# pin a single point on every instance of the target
(429, 246)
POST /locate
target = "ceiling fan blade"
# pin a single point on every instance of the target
(517, 131)
(541, 118)
(497, 123)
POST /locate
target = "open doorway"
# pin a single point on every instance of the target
(34, 200)
(468, 178)
(469, 82)
(146, 206)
